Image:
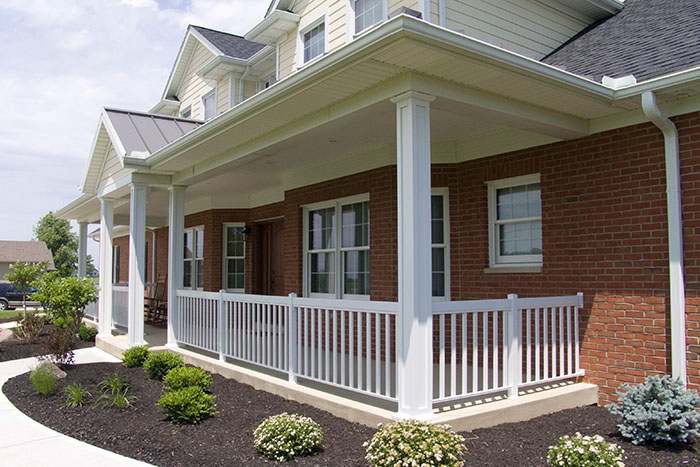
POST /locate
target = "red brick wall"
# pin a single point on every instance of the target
(123, 243)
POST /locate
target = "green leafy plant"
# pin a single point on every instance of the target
(283, 436)
(43, 379)
(135, 356)
(114, 389)
(59, 347)
(86, 333)
(65, 299)
(182, 377)
(187, 405)
(412, 442)
(23, 276)
(660, 410)
(76, 395)
(157, 365)
(29, 328)
(585, 451)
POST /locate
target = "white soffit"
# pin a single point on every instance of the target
(275, 25)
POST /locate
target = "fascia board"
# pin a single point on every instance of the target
(235, 64)
(688, 77)
(86, 171)
(205, 42)
(191, 33)
(261, 54)
(114, 137)
(392, 30)
(286, 18)
(164, 104)
(69, 210)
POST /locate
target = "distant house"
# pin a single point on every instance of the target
(28, 252)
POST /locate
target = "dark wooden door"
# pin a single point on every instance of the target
(271, 258)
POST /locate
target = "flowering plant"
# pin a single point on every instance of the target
(585, 451)
(283, 436)
(415, 443)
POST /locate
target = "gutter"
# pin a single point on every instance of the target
(675, 235)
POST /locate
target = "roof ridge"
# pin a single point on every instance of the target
(150, 114)
(220, 32)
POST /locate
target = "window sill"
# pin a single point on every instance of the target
(513, 270)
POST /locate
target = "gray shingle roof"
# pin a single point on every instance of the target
(27, 252)
(647, 38)
(230, 44)
(141, 132)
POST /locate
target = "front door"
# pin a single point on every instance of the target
(271, 257)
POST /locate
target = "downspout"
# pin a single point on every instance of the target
(675, 234)
(241, 89)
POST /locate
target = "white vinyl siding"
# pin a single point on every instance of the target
(112, 170)
(193, 86)
(336, 249)
(515, 221)
(234, 258)
(528, 27)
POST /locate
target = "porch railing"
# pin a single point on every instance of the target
(120, 305)
(480, 346)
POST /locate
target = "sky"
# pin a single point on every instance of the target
(62, 61)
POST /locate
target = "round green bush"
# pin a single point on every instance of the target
(157, 365)
(182, 377)
(283, 436)
(86, 333)
(43, 379)
(660, 410)
(187, 405)
(135, 356)
(412, 442)
(585, 451)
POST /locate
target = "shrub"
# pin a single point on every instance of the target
(86, 333)
(43, 380)
(135, 356)
(585, 451)
(76, 395)
(283, 436)
(182, 377)
(59, 347)
(157, 365)
(114, 390)
(187, 405)
(412, 442)
(65, 299)
(29, 327)
(660, 410)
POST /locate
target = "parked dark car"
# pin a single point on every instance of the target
(11, 298)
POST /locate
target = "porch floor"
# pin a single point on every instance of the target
(477, 413)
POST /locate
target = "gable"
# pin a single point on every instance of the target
(191, 44)
(192, 85)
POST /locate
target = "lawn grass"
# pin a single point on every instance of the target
(10, 313)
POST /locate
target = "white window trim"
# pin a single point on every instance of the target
(224, 258)
(185, 110)
(305, 27)
(216, 103)
(444, 192)
(115, 263)
(350, 19)
(495, 260)
(193, 271)
(336, 203)
(269, 78)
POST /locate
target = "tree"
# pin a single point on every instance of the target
(65, 299)
(62, 242)
(23, 276)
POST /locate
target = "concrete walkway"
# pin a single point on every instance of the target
(24, 442)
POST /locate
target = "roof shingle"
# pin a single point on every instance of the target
(230, 45)
(27, 252)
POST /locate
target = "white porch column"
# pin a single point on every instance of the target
(105, 303)
(176, 232)
(414, 322)
(82, 250)
(137, 262)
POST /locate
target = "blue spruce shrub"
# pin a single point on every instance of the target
(660, 410)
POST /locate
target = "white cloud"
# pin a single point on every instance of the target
(63, 60)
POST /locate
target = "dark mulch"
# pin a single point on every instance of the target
(142, 432)
(14, 349)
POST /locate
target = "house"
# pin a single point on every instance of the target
(25, 252)
(418, 201)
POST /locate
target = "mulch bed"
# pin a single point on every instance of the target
(142, 432)
(13, 349)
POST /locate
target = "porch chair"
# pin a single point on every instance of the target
(156, 307)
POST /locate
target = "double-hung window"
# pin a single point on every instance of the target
(314, 40)
(337, 249)
(368, 13)
(115, 264)
(440, 234)
(515, 221)
(193, 277)
(209, 105)
(234, 258)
